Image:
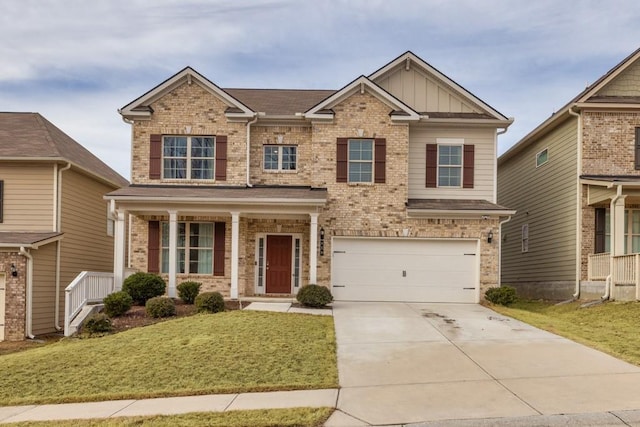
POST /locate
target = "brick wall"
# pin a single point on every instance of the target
(609, 142)
(15, 295)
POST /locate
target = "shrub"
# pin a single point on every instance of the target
(314, 296)
(160, 307)
(117, 303)
(504, 295)
(211, 302)
(188, 291)
(97, 323)
(143, 286)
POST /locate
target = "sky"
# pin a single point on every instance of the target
(77, 62)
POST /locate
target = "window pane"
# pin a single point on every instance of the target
(202, 147)
(635, 222)
(289, 158)
(360, 149)
(201, 235)
(271, 158)
(164, 268)
(175, 146)
(201, 261)
(164, 226)
(180, 261)
(202, 169)
(182, 231)
(449, 176)
(360, 172)
(175, 168)
(450, 155)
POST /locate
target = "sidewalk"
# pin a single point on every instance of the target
(171, 405)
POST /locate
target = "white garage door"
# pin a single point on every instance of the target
(370, 269)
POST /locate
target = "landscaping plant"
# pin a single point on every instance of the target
(97, 324)
(314, 296)
(210, 302)
(160, 307)
(117, 303)
(144, 286)
(188, 291)
(504, 295)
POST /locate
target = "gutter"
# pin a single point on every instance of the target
(608, 289)
(29, 302)
(58, 243)
(249, 123)
(578, 248)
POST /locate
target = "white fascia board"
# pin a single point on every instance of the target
(595, 182)
(223, 201)
(493, 122)
(611, 74)
(594, 106)
(35, 245)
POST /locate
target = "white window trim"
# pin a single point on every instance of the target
(279, 170)
(451, 142)
(188, 247)
(372, 161)
(111, 222)
(525, 238)
(189, 159)
(261, 288)
(538, 156)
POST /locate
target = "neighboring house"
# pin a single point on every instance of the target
(565, 179)
(383, 190)
(53, 221)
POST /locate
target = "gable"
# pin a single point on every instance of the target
(627, 83)
(424, 93)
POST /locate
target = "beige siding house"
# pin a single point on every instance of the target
(383, 190)
(53, 221)
(564, 179)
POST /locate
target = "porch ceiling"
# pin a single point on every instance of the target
(604, 188)
(257, 201)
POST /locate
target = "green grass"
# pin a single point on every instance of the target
(611, 327)
(303, 417)
(231, 352)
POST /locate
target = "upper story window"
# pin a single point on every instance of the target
(360, 160)
(542, 157)
(449, 165)
(280, 157)
(525, 238)
(188, 157)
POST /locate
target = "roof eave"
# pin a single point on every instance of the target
(219, 200)
(457, 213)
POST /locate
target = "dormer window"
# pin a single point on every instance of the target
(188, 157)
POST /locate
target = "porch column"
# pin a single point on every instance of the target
(617, 225)
(235, 258)
(173, 251)
(313, 249)
(118, 250)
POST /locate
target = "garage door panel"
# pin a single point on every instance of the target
(370, 269)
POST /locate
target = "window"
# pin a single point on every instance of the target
(360, 160)
(280, 157)
(188, 157)
(637, 149)
(631, 231)
(194, 248)
(525, 238)
(542, 157)
(111, 222)
(449, 165)
(1, 199)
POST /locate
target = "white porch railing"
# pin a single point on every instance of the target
(88, 287)
(599, 266)
(625, 269)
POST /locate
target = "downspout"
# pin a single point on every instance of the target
(249, 123)
(112, 207)
(29, 302)
(58, 244)
(576, 294)
(500, 249)
(608, 284)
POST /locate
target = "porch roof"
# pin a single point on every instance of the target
(612, 179)
(15, 239)
(466, 207)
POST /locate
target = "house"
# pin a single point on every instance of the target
(574, 181)
(383, 190)
(53, 221)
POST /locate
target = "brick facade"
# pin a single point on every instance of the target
(15, 295)
(608, 141)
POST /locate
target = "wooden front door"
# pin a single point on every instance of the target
(278, 265)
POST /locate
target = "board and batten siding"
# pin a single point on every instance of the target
(28, 196)
(85, 246)
(44, 289)
(483, 140)
(545, 198)
(424, 93)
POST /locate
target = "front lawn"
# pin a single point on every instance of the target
(230, 352)
(611, 327)
(298, 417)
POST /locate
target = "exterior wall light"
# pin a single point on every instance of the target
(321, 241)
(14, 270)
(490, 236)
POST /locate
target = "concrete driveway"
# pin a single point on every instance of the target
(408, 363)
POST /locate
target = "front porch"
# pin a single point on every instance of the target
(621, 274)
(240, 241)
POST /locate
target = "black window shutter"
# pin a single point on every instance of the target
(155, 156)
(342, 160)
(432, 166)
(600, 230)
(380, 160)
(153, 247)
(218, 249)
(468, 168)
